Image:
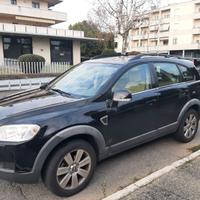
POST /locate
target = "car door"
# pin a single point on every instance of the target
(173, 93)
(129, 120)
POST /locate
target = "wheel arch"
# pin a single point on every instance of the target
(192, 104)
(87, 133)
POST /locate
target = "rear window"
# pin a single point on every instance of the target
(187, 73)
(167, 74)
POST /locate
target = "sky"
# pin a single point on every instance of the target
(77, 10)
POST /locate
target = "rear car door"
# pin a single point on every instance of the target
(173, 93)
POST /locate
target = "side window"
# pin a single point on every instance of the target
(187, 74)
(135, 80)
(167, 74)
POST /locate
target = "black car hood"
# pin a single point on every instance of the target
(29, 101)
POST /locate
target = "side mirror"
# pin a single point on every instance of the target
(43, 86)
(122, 96)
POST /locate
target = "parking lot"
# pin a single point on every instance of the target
(112, 174)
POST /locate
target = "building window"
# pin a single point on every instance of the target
(165, 42)
(35, 4)
(16, 46)
(13, 2)
(61, 51)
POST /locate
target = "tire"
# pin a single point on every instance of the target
(188, 127)
(66, 174)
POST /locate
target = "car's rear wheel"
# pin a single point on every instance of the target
(70, 168)
(188, 127)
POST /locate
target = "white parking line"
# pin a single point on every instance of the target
(148, 179)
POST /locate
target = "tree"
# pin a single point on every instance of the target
(91, 30)
(120, 16)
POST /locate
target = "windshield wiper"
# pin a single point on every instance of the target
(62, 92)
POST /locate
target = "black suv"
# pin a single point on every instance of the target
(95, 110)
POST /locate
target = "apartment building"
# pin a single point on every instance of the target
(174, 29)
(25, 27)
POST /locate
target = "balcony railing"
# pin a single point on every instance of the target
(43, 31)
(31, 12)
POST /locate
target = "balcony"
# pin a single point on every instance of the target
(14, 10)
(40, 31)
(197, 15)
(136, 37)
(196, 30)
(164, 20)
(166, 48)
(154, 22)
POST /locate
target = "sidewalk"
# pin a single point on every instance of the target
(180, 184)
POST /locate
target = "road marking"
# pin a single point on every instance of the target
(152, 177)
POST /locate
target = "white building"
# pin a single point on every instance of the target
(174, 29)
(25, 28)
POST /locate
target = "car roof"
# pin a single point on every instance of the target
(123, 60)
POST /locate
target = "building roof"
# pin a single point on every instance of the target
(53, 2)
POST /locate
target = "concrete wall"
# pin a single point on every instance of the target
(41, 46)
(76, 52)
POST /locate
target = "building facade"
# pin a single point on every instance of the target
(174, 29)
(25, 28)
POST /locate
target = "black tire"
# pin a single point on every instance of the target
(51, 178)
(181, 134)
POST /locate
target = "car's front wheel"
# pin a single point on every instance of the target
(188, 127)
(70, 168)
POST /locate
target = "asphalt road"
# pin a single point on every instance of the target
(112, 174)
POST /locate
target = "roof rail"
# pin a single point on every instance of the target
(153, 54)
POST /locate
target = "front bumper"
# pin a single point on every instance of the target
(16, 163)
(12, 176)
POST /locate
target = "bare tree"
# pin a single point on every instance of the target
(120, 16)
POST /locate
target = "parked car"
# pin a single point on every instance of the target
(95, 110)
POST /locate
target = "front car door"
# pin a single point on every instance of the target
(129, 120)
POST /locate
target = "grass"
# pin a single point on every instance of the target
(194, 148)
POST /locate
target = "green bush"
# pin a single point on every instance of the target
(31, 63)
(31, 58)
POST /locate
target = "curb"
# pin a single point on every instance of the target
(150, 178)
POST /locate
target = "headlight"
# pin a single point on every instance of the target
(18, 133)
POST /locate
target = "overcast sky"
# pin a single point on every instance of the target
(77, 10)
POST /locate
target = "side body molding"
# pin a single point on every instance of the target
(65, 134)
(187, 106)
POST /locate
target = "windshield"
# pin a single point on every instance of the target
(85, 80)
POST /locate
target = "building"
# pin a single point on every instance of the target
(174, 29)
(25, 27)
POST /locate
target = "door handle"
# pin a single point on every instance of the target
(151, 102)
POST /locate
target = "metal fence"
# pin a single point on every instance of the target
(14, 67)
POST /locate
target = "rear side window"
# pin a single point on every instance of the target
(187, 74)
(167, 74)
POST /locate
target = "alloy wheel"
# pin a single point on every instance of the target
(190, 126)
(74, 169)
